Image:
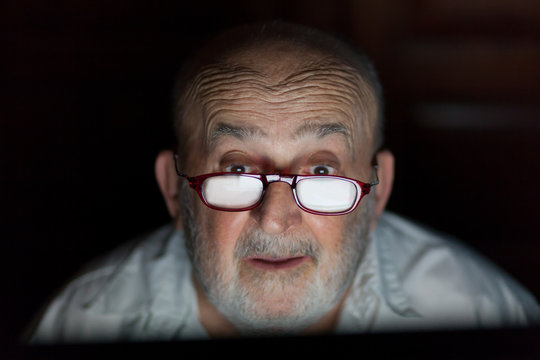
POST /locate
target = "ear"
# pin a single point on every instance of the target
(385, 172)
(167, 180)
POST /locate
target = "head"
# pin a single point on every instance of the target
(275, 98)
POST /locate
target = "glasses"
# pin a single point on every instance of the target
(315, 194)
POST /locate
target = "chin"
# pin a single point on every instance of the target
(276, 306)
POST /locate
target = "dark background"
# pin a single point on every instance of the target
(85, 101)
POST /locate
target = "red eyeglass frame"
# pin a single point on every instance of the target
(196, 182)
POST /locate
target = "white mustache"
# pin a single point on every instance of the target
(259, 243)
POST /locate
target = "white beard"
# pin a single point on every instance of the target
(275, 302)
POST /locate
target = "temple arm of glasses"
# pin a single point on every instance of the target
(376, 182)
(175, 159)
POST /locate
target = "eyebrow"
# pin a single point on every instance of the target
(321, 130)
(318, 129)
(240, 132)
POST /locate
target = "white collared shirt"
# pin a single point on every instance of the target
(409, 279)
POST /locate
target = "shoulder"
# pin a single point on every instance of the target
(122, 287)
(443, 278)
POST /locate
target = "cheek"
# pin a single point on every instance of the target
(223, 229)
(329, 230)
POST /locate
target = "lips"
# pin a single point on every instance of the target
(267, 263)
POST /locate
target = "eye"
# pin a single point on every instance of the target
(321, 170)
(237, 168)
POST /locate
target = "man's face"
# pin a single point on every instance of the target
(276, 267)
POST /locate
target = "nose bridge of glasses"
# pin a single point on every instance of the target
(270, 178)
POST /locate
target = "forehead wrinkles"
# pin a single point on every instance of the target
(213, 79)
(316, 86)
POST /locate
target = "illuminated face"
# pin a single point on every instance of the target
(276, 267)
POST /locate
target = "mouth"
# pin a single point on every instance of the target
(281, 263)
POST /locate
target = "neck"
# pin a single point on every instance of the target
(213, 321)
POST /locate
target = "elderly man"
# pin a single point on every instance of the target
(277, 192)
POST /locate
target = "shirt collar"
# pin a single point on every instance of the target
(376, 289)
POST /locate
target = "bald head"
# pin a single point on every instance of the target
(286, 69)
(291, 103)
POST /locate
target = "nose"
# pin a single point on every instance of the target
(278, 212)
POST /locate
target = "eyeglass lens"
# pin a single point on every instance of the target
(232, 191)
(326, 194)
(329, 195)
